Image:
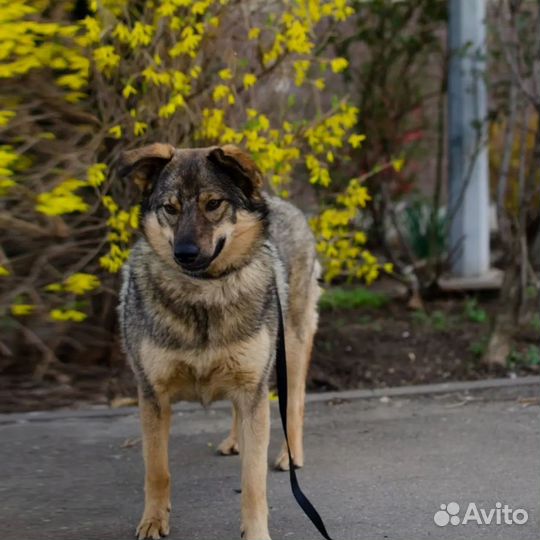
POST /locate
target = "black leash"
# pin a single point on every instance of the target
(281, 373)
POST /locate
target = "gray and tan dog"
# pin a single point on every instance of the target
(198, 311)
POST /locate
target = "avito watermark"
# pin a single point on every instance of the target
(500, 515)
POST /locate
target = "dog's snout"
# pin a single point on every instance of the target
(186, 252)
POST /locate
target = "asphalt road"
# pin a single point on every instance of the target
(375, 469)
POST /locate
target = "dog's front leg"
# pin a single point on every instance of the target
(155, 413)
(254, 438)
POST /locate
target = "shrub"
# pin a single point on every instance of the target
(80, 85)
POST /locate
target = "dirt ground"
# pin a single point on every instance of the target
(355, 348)
(393, 346)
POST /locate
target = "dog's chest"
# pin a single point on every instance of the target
(199, 325)
(211, 373)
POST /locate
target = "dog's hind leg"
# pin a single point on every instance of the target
(298, 357)
(229, 446)
(155, 413)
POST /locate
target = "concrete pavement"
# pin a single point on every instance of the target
(376, 469)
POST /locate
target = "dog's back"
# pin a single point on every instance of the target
(292, 236)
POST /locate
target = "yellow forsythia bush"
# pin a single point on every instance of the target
(79, 86)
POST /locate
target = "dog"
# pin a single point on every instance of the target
(199, 315)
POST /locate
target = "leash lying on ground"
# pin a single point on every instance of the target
(281, 373)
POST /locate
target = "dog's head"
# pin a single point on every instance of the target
(202, 208)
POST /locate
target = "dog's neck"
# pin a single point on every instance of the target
(232, 281)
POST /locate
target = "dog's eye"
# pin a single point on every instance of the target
(214, 204)
(170, 209)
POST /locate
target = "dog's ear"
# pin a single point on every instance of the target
(240, 167)
(144, 165)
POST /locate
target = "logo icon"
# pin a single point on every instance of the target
(447, 514)
(500, 515)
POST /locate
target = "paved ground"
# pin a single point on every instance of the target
(377, 469)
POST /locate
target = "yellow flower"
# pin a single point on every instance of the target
(195, 72)
(356, 140)
(212, 124)
(96, 174)
(360, 237)
(264, 123)
(72, 81)
(225, 74)
(68, 315)
(114, 260)
(249, 80)
(139, 128)
(134, 217)
(20, 310)
(388, 267)
(122, 33)
(54, 287)
(75, 97)
(320, 84)
(220, 92)
(62, 199)
(199, 8)
(166, 111)
(254, 33)
(93, 31)
(5, 117)
(128, 91)
(166, 9)
(275, 51)
(4, 271)
(109, 204)
(106, 58)
(398, 164)
(301, 68)
(297, 36)
(339, 64)
(47, 136)
(189, 44)
(141, 35)
(81, 283)
(155, 77)
(116, 131)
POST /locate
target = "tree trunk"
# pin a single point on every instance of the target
(505, 320)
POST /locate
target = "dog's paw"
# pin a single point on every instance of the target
(153, 525)
(228, 447)
(282, 462)
(262, 535)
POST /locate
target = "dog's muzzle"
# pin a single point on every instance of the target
(188, 256)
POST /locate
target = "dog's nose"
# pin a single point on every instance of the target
(186, 253)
